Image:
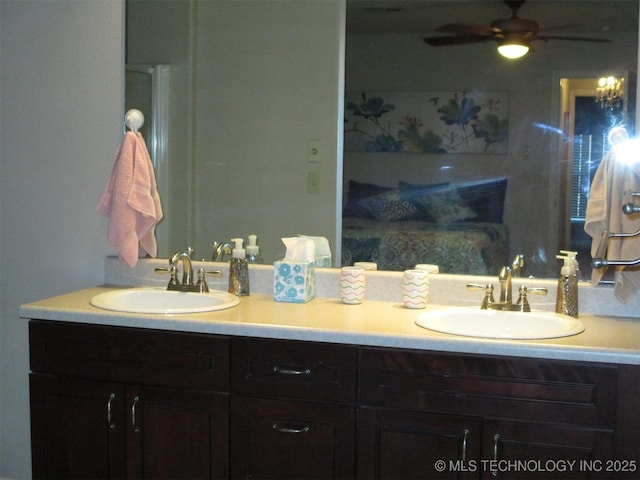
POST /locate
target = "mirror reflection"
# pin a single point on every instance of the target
(241, 126)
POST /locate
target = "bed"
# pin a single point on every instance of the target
(458, 227)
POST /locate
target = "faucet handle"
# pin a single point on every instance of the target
(488, 293)
(523, 302)
(172, 270)
(202, 282)
(538, 290)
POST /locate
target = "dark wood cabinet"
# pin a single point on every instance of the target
(175, 434)
(291, 439)
(521, 418)
(293, 409)
(126, 403)
(403, 444)
(77, 428)
(115, 402)
(544, 451)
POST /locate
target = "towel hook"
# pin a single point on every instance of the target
(134, 119)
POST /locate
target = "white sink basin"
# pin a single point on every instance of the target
(161, 300)
(474, 322)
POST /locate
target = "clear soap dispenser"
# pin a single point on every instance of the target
(253, 250)
(238, 270)
(567, 295)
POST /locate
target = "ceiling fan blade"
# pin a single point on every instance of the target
(544, 38)
(456, 40)
(460, 29)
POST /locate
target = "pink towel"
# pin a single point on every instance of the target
(611, 188)
(131, 201)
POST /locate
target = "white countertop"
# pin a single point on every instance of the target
(372, 323)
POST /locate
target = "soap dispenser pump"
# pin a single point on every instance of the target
(567, 295)
(253, 250)
(238, 269)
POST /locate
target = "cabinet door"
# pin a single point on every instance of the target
(177, 434)
(544, 451)
(76, 428)
(395, 444)
(291, 439)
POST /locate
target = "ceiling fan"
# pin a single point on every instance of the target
(513, 35)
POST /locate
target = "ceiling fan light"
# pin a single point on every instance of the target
(513, 50)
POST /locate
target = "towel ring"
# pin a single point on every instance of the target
(134, 119)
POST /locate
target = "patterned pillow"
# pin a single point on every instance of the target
(389, 206)
(359, 191)
(445, 206)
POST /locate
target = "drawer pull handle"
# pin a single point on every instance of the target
(464, 444)
(134, 422)
(290, 371)
(280, 429)
(111, 397)
(496, 440)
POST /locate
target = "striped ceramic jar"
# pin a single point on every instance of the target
(352, 285)
(415, 288)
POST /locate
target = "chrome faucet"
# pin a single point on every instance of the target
(219, 250)
(187, 284)
(187, 266)
(517, 264)
(505, 301)
(504, 278)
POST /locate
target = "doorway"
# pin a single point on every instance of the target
(587, 125)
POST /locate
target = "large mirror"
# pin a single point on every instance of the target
(257, 108)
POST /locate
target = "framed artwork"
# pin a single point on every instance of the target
(427, 122)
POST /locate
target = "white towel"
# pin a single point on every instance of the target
(611, 188)
(131, 201)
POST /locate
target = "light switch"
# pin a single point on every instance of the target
(313, 182)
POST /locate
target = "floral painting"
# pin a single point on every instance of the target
(427, 122)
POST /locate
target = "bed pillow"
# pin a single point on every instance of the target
(359, 191)
(486, 198)
(413, 193)
(389, 207)
(445, 206)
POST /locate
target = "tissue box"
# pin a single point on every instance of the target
(294, 281)
(323, 261)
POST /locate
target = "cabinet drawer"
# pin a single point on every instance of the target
(531, 389)
(292, 369)
(148, 357)
(286, 439)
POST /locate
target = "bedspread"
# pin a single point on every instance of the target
(474, 248)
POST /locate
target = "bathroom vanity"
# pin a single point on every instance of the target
(324, 390)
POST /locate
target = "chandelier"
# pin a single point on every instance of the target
(610, 92)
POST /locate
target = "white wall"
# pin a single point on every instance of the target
(61, 98)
